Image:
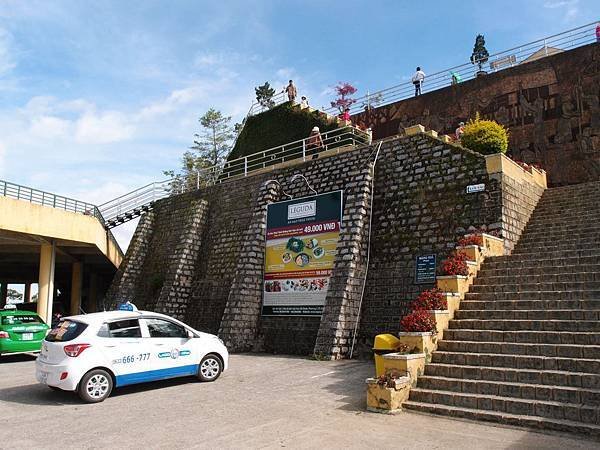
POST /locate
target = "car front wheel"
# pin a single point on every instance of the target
(210, 368)
(95, 386)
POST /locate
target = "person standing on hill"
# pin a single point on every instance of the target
(417, 80)
(291, 92)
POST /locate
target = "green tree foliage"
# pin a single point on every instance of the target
(480, 54)
(264, 95)
(211, 147)
(485, 136)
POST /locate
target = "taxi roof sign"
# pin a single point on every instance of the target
(127, 306)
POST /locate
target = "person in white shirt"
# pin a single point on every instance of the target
(417, 80)
(303, 102)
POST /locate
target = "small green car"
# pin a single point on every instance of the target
(20, 331)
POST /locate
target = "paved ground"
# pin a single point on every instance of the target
(261, 402)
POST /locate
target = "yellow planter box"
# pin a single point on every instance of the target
(415, 129)
(453, 283)
(493, 245)
(420, 342)
(473, 252)
(387, 400)
(446, 139)
(453, 301)
(432, 133)
(441, 321)
(473, 269)
(411, 364)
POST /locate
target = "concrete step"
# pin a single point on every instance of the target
(567, 394)
(505, 418)
(570, 286)
(559, 246)
(546, 409)
(526, 325)
(525, 314)
(533, 349)
(541, 277)
(534, 295)
(518, 361)
(517, 256)
(515, 375)
(519, 305)
(523, 272)
(527, 336)
(508, 262)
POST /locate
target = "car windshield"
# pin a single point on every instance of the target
(66, 330)
(20, 319)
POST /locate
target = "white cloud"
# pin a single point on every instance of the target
(50, 127)
(571, 7)
(103, 128)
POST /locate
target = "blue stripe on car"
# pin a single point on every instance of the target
(154, 375)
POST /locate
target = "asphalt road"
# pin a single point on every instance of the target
(261, 402)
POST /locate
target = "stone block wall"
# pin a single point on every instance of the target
(201, 256)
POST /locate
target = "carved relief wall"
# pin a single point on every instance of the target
(551, 107)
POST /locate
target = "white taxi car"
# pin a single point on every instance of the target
(95, 352)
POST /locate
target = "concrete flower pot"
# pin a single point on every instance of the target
(493, 246)
(453, 301)
(453, 283)
(412, 364)
(473, 252)
(423, 342)
(441, 317)
(387, 400)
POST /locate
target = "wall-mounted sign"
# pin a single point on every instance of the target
(425, 269)
(302, 236)
(472, 188)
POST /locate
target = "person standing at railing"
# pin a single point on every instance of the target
(459, 131)
(314, 143)
(291, 92)
(417, 80)
(303, 102)
(598, 32)
(346, 115)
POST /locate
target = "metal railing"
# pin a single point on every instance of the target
(43, 198)
(277, 99)
(566, 40)
(38, 197)
(133, 204)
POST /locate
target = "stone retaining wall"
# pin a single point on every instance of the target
(201, 256)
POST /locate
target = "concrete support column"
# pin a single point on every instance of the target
(46, 282)
(76, 277)
(27, 293)
(3, 293)
(93, 294)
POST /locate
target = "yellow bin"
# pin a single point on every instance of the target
(384, 344)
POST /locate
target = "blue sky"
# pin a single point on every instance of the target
(97, 98)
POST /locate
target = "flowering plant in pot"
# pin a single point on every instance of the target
(471, 239)
(418, 321)
(456, 264)
(430, 300)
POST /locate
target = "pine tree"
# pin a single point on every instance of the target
(264, 95)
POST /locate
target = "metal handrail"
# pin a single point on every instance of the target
(566, 40)
(257, 107)
(517, 55)
(133, 203)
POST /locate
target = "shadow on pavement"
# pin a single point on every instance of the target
(349, 382)
(22, 357)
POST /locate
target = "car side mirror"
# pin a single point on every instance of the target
(190, 335)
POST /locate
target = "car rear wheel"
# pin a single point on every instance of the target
(210, 368)
(95, 386)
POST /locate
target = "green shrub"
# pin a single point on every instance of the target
(278, 126)
(485, 136)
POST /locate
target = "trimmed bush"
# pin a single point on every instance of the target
(456, 264)
(485, 136)
(430, 299)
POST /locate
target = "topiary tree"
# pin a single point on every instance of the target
(343, 100)
(480, 54)
(484, 136)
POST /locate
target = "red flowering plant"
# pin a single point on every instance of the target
(471, 239)
(418, 321)
(430, 300)
(456, 264)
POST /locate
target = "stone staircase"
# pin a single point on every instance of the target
(524, 348)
